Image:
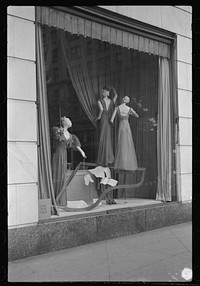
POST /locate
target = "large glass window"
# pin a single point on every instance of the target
(79, 64)
(131, 73)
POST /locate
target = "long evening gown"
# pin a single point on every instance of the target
(125, 157)
(105, 151)
(59, 163)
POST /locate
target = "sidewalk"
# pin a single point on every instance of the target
(159, 255)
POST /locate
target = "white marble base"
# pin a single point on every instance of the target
(21, 83)
(22, 163)
(22, 204)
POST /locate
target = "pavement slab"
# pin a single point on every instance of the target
(159, 255)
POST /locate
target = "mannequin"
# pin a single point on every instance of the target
(125, 157)
(64, 140)
(105, 151)
(106, 107)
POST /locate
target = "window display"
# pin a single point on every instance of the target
(87, 95)
(89, 72)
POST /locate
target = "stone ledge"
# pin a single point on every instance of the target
(60, 234)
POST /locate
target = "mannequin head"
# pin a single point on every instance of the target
(125, 99)
(66, 122)
(105, 91)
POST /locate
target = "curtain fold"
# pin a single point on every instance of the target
(81, 79)
(49, 56)
(80, 26)
(44, 150)
(164, 134)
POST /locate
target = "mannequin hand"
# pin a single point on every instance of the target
(83, 154)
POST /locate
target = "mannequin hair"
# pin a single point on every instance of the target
(126, 99)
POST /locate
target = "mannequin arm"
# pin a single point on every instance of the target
(100, 110)
(115, 93)
(81, 151)
(134, 113)
(113, 115)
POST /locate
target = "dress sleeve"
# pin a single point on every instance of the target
(75, 142)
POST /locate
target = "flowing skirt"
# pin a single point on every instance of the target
(105, 152)
(125, 157)
(59, 169)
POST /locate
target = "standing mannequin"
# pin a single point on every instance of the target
(106, 107)
(125, 157)
(105, 151)
(59, 162)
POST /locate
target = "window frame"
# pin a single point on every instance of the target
(139, 28)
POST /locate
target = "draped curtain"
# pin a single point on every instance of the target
(44, 150)
(82, 82)
(164, 135)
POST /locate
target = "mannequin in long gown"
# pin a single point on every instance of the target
(105, 151)
(125, 156)
(106, 108)
(64, 140)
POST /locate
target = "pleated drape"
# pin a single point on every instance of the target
(44, 151)
(81, 79)
(80, 26)
(164, 135)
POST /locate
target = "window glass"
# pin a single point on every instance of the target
(75, 88)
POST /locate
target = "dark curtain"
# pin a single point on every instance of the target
(79, 70)
(138, 78)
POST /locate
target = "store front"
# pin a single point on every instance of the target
(77, 56)
(59, 60)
